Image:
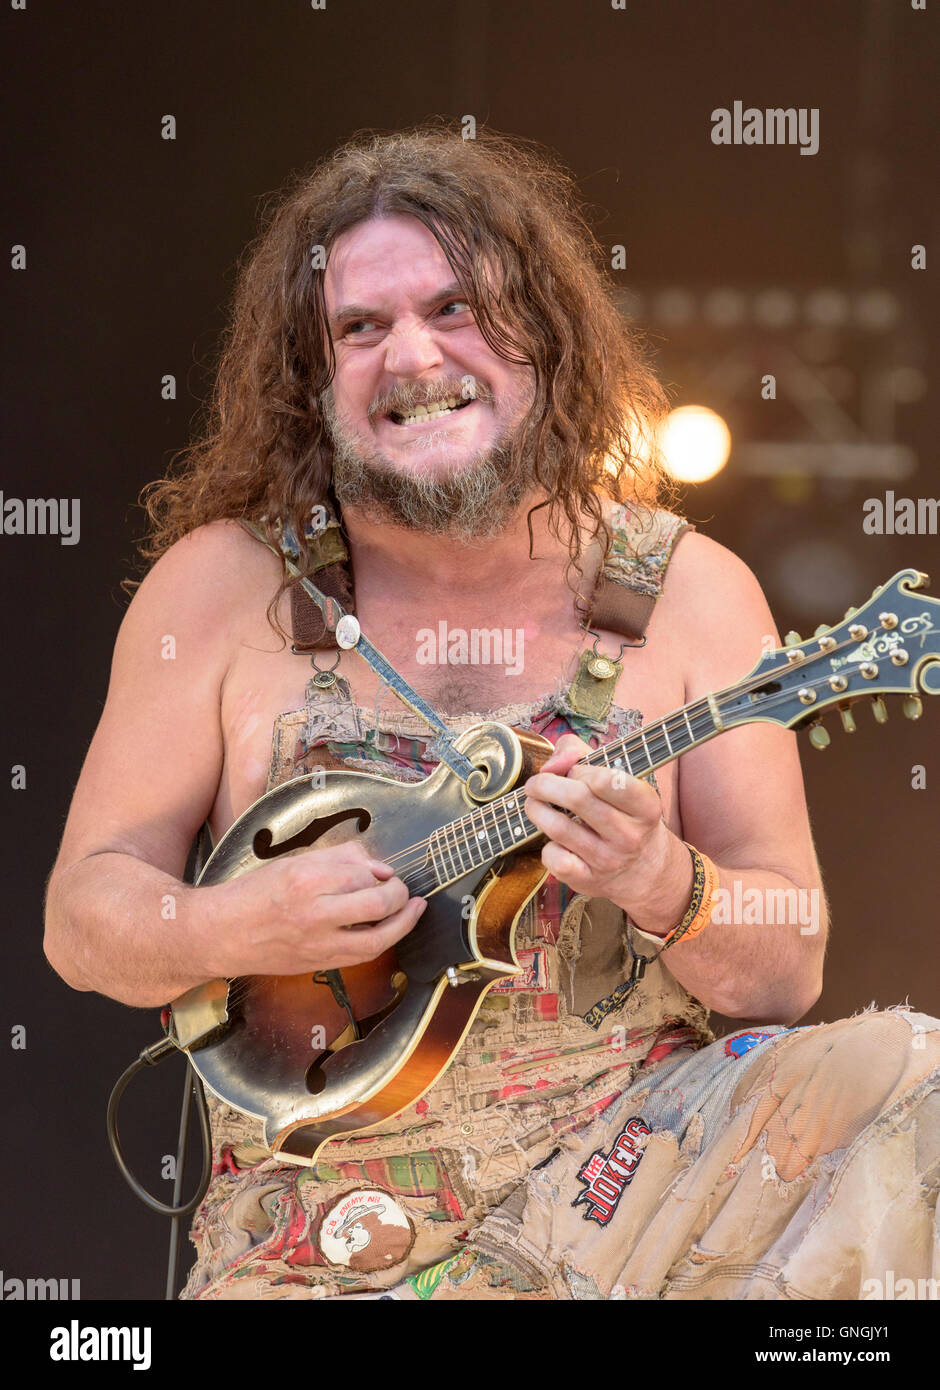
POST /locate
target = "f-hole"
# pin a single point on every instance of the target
(264, 849)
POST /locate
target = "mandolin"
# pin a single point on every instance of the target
(315, 1057)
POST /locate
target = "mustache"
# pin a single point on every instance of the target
(410, 394)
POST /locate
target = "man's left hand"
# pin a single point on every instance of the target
(619, 846)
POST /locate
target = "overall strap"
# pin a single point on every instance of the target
(345, 630)
(628, 584)
(632, 576)
(334, 578)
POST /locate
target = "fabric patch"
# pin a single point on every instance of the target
(534, 963)
(365, 1230)
(427, 1281)
(743, 1042)
(606, 1175)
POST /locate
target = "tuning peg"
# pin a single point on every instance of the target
(879, 709)
(821, 630)
(819, 737)
(913, 707)
(848, 720)
(792, 639)
(850, 612)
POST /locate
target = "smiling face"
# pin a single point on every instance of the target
(422, 412)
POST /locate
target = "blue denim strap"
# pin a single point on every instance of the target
(443, 745)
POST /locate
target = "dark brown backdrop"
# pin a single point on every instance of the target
(131, 242)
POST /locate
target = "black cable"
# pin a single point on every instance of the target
(149, 1058)
(191, 1089)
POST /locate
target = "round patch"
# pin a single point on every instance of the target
(365, 1230)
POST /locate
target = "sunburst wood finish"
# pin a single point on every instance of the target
(280, 1048)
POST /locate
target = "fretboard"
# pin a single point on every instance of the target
(500, 826)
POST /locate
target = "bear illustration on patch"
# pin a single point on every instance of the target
(365, 1230)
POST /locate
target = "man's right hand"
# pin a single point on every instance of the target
(321, 909)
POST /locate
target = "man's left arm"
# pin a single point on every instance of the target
(740, 800)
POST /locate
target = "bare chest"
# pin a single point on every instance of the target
(492, 663)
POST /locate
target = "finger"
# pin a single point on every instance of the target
(365, 943)
(579, 839)
(333, 878)
(381, 870)
(567, 868)
(369, 905)
(568, 750)
(620, 789)
(570, 794)
(354, 852)
(597, 796)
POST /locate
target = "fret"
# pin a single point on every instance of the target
(689, 727)
(436, 866)
(666, 737)
(646, 748)
(495, 819)
(512, 805)
(481, 838)
(445, 849)
(455, 827)
(620, 759)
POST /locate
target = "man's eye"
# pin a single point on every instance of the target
(364, 324)
(462, 306)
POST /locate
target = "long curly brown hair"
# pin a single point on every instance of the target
(264, 451)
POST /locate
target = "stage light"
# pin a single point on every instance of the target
(674, 306)
(695, 443)
(877, 309)
(725, 307)
(775, 308)
(827, 308)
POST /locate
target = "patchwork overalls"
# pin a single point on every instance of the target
(589, 1140)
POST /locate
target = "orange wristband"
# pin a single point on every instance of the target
(704, 888)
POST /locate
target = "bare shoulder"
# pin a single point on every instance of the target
(715, 606)
(213, 560)
(206, 581)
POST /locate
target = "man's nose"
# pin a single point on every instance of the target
(412, 349)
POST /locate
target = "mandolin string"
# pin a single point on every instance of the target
(420, 851)
(637, 743)
(502, 819)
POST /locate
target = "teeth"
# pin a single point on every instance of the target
(432, 412)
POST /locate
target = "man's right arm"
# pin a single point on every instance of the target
(119, 919)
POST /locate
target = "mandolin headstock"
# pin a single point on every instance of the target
(889, 646)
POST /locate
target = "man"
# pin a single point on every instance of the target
(423, 346)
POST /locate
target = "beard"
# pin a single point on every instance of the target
(475, 501)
